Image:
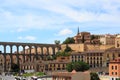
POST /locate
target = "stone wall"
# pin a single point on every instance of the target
(75, 47)
(86, 47)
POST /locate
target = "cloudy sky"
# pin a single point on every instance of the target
(43, 21)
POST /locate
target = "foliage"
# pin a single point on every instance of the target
(62, 53)
(69, 40)
(94, 76)
(49, 57)
(78, 66)
(15, 67)
(94, 37)
(67, 49)
(118, 79)
(57, 41)
(33, 74)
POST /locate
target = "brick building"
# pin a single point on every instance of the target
(114, 69)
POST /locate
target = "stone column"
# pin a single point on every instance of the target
(11, 58)
(11, 49)
(30, 52)
(23, 54)
(4, 57)
(47, 50)
(18, 55)
(53, 49)
(42, 52)
(36, 52)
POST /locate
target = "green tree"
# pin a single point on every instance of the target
(15, 67)
(62, 53)
(67, 49)
(94, 76)
(118, 79)
(57, 41)
(78, 66)
(69, 40)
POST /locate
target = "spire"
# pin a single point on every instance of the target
(78, 30)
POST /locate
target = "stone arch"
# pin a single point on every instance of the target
(1, 49)
(39, 50)
(2, 60)
(14, 49)
(8, 62)
(8, 47)
(27, 49)
(45, 50)
(33, 49)
(50, 50)
(14, 57)
(20, 49)
(21, 59)
(56, 50)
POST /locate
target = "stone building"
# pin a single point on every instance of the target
(111, 54)
(107, 39)
(114, 69)
(46, 66)
(77, 56)
(82, 37)
(94, 58)
(117, 41)
(71, 75)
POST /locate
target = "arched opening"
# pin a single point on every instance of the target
(39, 51)
(7, 49)
(50, 50)
(14, 49)
(15, 59)
(1, 49)
(56, 50)
(44, 50)
(27, 50)
(2, 60)
(33, 50)
(8, 62)
(21, 51)
(21, 59)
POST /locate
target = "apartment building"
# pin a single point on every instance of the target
(114, 69)
(107, 39)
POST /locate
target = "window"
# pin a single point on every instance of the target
(115, 67)
(115, 73)
(112, 73)
(112, 67)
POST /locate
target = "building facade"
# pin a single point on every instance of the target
(107, 39)
(71, 75)
(94, 58)
(114, 69)
(46, 66)
(82, 37)
(117, 41)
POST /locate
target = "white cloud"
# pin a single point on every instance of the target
(30, 38)
(20, 30)
(81, 11)
(65, 32)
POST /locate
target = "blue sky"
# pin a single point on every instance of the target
(43, 21)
